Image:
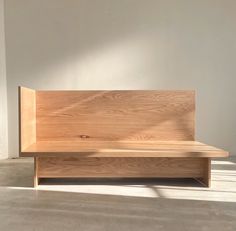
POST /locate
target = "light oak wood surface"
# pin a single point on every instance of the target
(27, 117)
(113, 134)
(120, 167)
(36, 177)
(115, 115)
(123, 149)
(205, 180)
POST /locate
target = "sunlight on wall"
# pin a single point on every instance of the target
(108, 67)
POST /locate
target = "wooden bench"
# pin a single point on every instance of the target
(113, 134)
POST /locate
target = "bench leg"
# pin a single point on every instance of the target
(36, 178)
(206, 179)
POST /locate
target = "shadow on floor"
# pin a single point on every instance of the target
(17, 172)
(184, 182)
(23, 209)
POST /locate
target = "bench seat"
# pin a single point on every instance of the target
(122, 149)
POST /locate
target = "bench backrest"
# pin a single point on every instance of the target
(106, 115)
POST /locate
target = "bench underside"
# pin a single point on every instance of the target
(127, 167)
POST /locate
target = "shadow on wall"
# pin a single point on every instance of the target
(123, 45)
(81, 39)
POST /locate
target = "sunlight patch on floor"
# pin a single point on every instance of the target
(220, 162)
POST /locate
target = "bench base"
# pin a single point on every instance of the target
(136, 167)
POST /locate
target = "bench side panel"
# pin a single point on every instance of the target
(115, 115)
(27, 117)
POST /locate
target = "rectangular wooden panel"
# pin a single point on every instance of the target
(120, 167)
(115, 115)
(206, 178)
(123, 149)
(27, 117)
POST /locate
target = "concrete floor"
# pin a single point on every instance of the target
(116, 204)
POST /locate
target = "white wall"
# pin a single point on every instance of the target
(128, 44)
(3, 89)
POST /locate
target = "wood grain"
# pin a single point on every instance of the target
(120, 167)
(27, 117)
(123, 149)
(205, 180)
(115, 115)
(36, 178)
(113, 134)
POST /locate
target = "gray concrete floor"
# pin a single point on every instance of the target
(116, 204)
